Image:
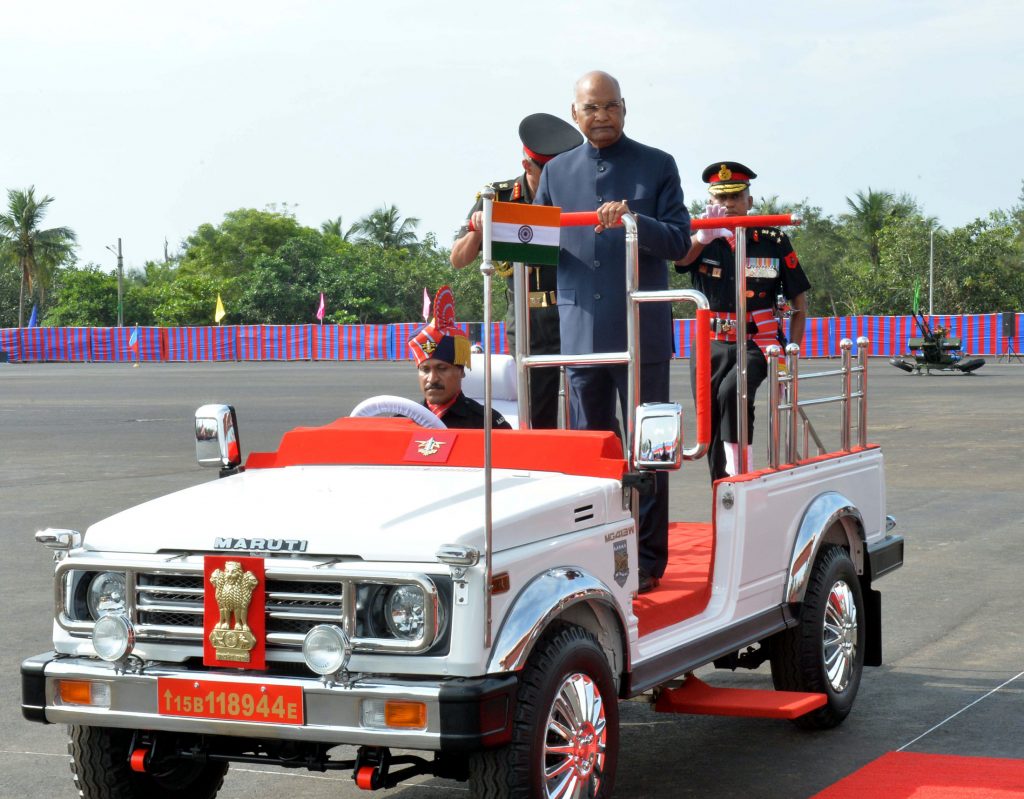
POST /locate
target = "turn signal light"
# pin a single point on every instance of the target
(409, 715)
(84, 692)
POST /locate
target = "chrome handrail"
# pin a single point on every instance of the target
(779, 403)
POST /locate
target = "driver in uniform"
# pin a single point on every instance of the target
(543, 136)
(442, 354)
(773, 272)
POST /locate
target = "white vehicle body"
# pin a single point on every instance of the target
(338, 523)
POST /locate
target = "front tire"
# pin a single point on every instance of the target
(99, 763)
(565, 739)
(824, 653)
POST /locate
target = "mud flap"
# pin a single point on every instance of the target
(873, 634)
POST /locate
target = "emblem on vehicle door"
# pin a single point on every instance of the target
(233, 614)
(621, 554)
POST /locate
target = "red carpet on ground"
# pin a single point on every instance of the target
(906, 775)
(686, 585)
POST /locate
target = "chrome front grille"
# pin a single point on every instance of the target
(166, 603)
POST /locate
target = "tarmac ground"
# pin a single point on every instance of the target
(81, 441)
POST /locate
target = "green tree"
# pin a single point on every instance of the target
(230, 249)
(282, 288)
(385, 227)
(83, 297)
(37, 252)
(189, 299)
(771, 205)
(869, 212)
(333, 227)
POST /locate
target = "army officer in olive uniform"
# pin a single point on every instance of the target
(773, 270)
(543, 136)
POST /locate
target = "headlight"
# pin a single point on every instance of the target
(113, 637)
(403, 611)
(106, 594)
(326, 649)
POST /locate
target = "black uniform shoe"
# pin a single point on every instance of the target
(648, 582)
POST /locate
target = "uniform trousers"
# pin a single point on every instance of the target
(724, 421)
(593, 391)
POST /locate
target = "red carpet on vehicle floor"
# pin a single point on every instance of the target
(686, 586)
(906, 775)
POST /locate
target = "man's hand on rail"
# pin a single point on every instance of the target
(610, 215)
(712, 211)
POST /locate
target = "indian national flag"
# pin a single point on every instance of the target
(525, 233)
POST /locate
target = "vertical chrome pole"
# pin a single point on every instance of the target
(793, 366)
(487, 270)
(633, 394)
(845, 347)
(742, 421)
(862, 408)
(521, 300)
(774, 394)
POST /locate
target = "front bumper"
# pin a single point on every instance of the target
(463, 714)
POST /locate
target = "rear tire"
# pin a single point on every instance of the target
(899, 363)
(566, 729)
(99, 763)
(824, 653)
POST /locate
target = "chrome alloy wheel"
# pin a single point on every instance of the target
(839, 635)
(575, 740)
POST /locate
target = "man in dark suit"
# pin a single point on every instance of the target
(614, 175)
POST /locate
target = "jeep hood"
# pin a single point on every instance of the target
(376, 513)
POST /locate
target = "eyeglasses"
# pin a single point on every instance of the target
(589, 109)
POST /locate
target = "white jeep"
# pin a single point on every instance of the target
(469, 594)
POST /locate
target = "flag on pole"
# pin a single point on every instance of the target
(133, 340)
(426, 304)
(321, 309)
(525, 233)
(917, 295)
(33, 319)
(219, 313)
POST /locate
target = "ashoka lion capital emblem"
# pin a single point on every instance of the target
(231, 637)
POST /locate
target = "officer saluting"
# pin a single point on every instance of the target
(773, 270)
(543, 136)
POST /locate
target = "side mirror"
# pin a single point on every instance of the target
(658, 443)
(217, 437)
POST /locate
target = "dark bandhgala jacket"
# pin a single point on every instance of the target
(591, 267)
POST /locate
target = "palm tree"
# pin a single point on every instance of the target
(386, 228)
(869, 213)
(36, 251)
(333, 227)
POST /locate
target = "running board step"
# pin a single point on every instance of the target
(696, 696)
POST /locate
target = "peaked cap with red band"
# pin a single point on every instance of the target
(727, 177)
(441, 339)
(544, 136)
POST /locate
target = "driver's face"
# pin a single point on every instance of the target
(440, 381)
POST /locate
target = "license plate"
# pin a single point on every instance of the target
(234, 701)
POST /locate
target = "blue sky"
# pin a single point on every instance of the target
(146, 120)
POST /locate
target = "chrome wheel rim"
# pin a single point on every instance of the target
(575, 740)
(839, 636)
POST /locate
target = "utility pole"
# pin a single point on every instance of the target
(931, 270)
(120, 281)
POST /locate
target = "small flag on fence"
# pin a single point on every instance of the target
(33, 319)
(525, 233)
(320, 310)
(219, 313)
(133, 340)
(426, 304)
